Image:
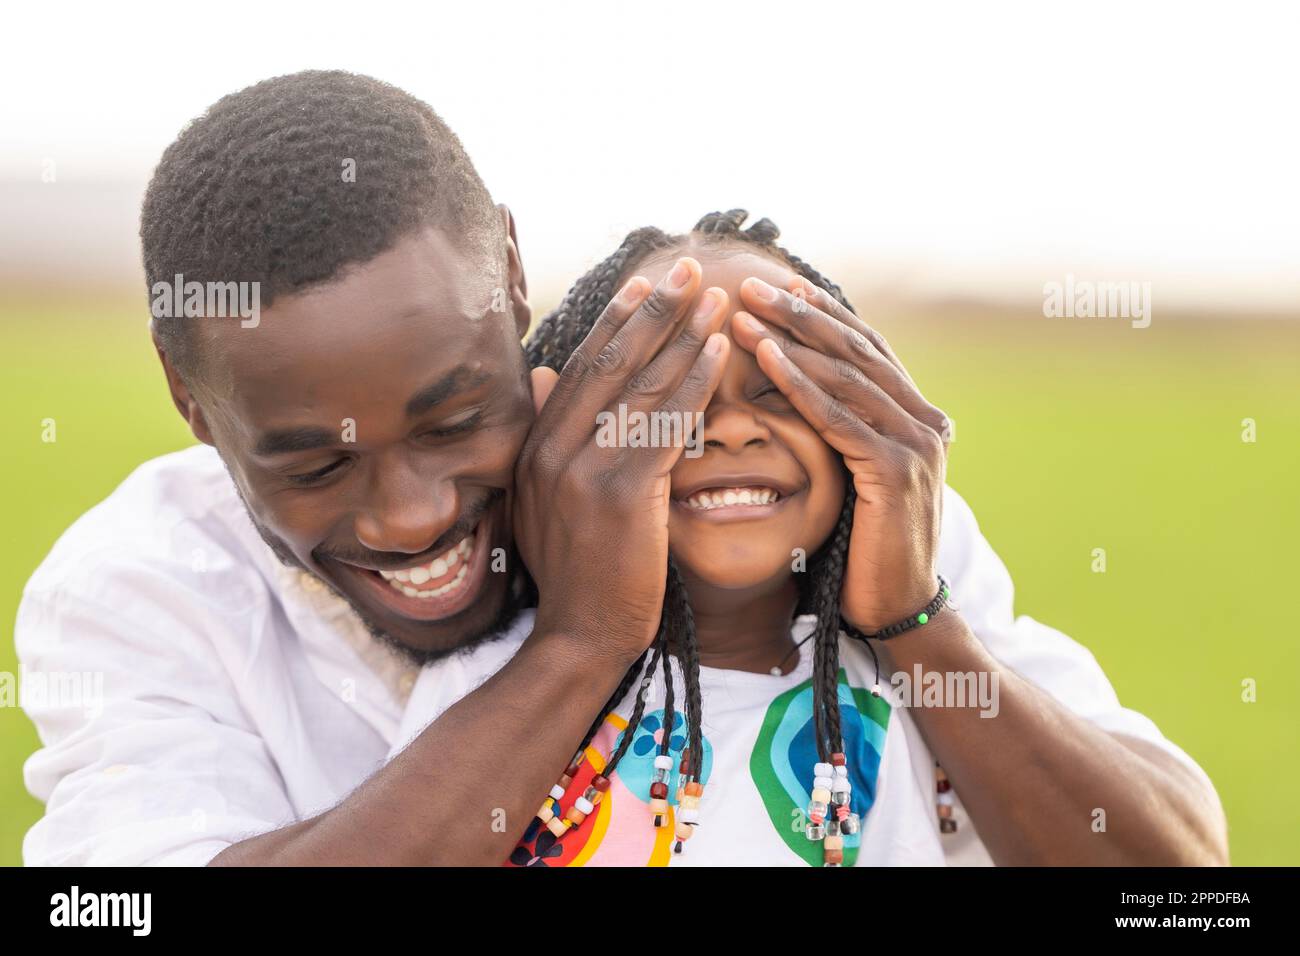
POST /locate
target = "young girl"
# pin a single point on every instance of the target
(753, 732)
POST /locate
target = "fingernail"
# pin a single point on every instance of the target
(714, 345)
(763, 290)
(755, 325)
(679, 276)
(630, 292)
(707, 304)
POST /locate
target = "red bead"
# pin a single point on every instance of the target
(658, 791)
(600, 782)
(837, 760)
(571, 771)
(943, 786)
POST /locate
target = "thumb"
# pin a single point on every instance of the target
(544, 380)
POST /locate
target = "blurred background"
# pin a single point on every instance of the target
(943, 162)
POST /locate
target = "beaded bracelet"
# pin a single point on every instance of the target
(922, 616)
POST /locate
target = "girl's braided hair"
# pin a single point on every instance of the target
(551, 343)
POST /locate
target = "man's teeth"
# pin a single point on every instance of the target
(408, 580)
(729, 497)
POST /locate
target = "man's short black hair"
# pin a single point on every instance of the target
(258, 188)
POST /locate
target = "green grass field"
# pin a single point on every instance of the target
(1071, 435)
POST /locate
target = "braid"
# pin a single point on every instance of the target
(827, 579)
(637, 711)
(681, 624)
(669, 712)
(551, 344)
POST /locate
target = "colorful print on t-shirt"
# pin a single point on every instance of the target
(633, 841)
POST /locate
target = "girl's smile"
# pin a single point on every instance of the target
(736, 497)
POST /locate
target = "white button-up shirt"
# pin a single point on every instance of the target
(191, 691)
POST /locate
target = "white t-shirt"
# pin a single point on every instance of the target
(224, 695)
(759, 755)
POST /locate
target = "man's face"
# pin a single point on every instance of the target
(372, 425)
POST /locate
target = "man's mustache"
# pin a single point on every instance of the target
(382, 559)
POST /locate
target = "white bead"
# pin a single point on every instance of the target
(945, 799)
(841, 771)
(688, 815)
(663, 762)
(822, 782)
(583, 804)
(557, 792)
(822, 770)
(840, 785)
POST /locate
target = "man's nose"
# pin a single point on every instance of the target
(732, 428)
(406, 512)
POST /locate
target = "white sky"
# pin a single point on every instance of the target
(964, 147)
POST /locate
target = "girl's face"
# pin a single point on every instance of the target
(765, 484)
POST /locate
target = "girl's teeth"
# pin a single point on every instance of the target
(727, 497)
(437, 568)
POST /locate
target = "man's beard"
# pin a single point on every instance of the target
(520, 594)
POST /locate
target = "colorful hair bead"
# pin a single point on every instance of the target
(944, 800)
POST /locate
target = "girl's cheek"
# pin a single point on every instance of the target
(826, 475)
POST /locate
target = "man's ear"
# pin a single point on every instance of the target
(515, 277)
(182, 397)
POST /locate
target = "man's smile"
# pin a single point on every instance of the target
(433, 589)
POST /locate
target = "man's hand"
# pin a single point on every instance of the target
(591, 523)
(846, 382)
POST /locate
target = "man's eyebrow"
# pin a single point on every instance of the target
(294, 439)
(458, 379)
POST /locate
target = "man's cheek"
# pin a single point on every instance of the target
(299, 527)
(502, 451)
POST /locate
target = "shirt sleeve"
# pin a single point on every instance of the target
(146, 757)
(983, 593)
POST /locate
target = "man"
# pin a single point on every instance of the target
(259, 605)
(371, 425)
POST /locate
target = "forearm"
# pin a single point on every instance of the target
(464, 790)
(1033, 776)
